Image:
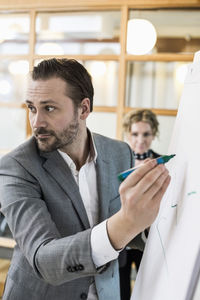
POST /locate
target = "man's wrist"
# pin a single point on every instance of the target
(120, 232)
(102, 250)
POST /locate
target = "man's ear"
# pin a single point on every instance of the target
(85, 108)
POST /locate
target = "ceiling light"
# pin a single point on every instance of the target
(141, 36)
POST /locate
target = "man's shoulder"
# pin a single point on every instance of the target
(107, 140)
(116, 153)
(28, 149)
(24, 157)
(110, 145)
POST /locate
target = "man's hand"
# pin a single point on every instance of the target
(141, 193)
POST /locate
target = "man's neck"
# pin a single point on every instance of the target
(79, 150)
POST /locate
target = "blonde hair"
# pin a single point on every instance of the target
(141, 115)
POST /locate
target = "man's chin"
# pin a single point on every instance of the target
(45, 146)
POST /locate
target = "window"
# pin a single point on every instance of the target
(78, 33)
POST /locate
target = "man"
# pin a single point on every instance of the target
(61, 196)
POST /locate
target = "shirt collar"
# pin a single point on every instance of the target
(93, 150)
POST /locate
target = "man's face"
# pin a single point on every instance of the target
(53, 116)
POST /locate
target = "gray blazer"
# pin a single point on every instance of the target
(44, 210)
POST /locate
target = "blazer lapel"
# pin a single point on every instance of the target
(103, 189)
(59, 170)
(103, 178)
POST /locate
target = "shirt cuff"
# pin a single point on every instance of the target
(102, 250)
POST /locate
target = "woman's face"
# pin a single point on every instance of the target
(140, 137)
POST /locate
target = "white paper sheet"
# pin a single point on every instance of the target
(174, 238)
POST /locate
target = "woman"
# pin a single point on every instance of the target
(140, 128)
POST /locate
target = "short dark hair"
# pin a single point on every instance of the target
(78, 80)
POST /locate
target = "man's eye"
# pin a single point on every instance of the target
(50, 108)
(134, 134)
(31, 108)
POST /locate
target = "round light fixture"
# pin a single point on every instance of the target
(141, 36)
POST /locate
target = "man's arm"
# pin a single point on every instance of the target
(141, 194)
(59, 259)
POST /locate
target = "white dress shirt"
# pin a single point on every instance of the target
(102, 250)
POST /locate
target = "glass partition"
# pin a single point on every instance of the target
(155, 84)
(13, 80)
(78, 33)
(105, 81)
(166, 125)
(12, 127)
(103, 123)
(14, 38)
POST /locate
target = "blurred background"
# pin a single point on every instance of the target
(133, 65)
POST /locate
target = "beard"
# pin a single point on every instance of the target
(57, 140)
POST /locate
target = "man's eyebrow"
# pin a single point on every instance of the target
(49, 101)
(27, 102)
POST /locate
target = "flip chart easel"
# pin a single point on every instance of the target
(174, 237)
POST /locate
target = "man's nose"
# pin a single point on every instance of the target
(38, 120)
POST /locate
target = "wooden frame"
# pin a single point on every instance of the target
(94, 4)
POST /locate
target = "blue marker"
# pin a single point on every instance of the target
(160, 160)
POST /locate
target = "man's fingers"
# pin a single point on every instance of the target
(158, 185)
(151, 180)
(163, 189)
(146, 160)
(138, 174)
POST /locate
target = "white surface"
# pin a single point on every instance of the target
(174, 237)
(197, 57)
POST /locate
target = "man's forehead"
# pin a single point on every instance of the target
(54, 81)
(53, 85)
